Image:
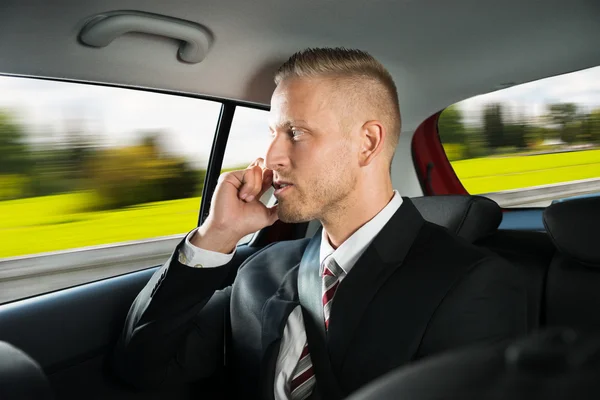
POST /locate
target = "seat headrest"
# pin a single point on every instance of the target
(574, 227)
(20, 376)
(470, 217)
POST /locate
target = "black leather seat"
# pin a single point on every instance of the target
(21, 378)
(552, 365)
(470, 217)
(476, 219)
(531, 253)
(573, 285)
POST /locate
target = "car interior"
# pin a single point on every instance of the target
(438, 52)
(22, 377)
(489, 371)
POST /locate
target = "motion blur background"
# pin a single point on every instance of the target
(95, 168)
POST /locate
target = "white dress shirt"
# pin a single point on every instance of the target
(294, 335)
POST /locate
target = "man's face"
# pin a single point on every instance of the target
(314, 149)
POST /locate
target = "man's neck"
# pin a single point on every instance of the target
(349, 217)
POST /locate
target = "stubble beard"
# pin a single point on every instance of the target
(327, 198)
(289, 213)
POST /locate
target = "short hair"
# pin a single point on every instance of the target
(360, 68)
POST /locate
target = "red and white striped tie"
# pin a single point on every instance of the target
(303, 379)
(332, 273)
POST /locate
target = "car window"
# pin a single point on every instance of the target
(530, 144)
(249, 139)
(94, 179)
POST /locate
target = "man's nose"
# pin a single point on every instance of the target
(278, 153)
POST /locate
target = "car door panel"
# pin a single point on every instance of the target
(71, 332)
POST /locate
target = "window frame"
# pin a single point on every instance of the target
(435, 173)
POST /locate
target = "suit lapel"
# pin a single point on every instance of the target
(381, 259)
(309, 283)
(275, 314)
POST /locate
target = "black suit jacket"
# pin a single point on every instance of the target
(417, 290)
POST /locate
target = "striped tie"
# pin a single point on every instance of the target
(332, 273)
(304, 375)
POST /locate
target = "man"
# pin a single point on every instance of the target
(404, 288)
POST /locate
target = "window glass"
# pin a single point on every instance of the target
(98, 172)
(249, 139)
(528, 145)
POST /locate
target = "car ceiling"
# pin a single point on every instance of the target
(438, 51)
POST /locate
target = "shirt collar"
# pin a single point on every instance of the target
(350, 251)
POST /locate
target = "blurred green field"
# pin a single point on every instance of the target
(494, 174)
(53, 223)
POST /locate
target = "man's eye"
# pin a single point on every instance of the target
(295, 134)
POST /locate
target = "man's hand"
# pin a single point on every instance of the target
(235, 209)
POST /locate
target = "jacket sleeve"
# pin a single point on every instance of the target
(487, 305)
(175, 328)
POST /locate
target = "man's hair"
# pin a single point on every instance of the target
(372, 81)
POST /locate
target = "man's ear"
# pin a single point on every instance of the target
(372, 141)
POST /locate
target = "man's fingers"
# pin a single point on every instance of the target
(256, 180)
(267, 181)
(252, 183)
(267, 177)
(258, 162)
(257, 171)
(248, 182)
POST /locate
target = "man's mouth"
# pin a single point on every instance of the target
(281, 186)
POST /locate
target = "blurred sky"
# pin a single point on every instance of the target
(115, 116)
(530, 99)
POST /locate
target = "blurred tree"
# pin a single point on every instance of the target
(140, 173)
(14, 151)
(584, 129)
(574, 132)
(15, 163)
(48, 173)
(460, 141)
(515, 135)
(594, 126)
(77, 147)
(450, 126)
(493, 126)
(476, 144)
(563, 115)
(536, 135)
